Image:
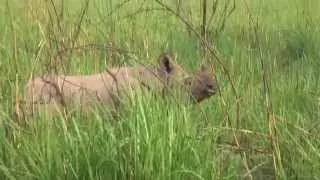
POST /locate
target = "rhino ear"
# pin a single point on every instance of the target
(166, 61)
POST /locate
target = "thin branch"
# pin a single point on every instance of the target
(78, 27)
(277, 162)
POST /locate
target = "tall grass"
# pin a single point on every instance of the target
(163, 138)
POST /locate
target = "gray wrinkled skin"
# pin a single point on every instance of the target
(108, 88)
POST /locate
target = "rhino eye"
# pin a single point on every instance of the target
(209, 86)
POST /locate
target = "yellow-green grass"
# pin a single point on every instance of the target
(161, 138)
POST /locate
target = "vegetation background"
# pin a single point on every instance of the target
(263, 125)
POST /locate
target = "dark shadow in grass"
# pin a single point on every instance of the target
(296, 45)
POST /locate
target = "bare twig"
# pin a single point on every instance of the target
(60, 45)
(243, 149)
(56, 15)
(52, 34)
(57, 89)
(204, 27)
(78, 27)
(142, 10)
(267, 102)
(213, 11)
(118, 7)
